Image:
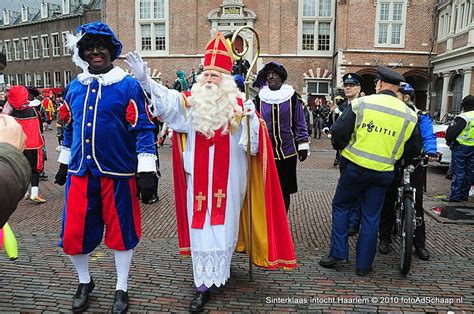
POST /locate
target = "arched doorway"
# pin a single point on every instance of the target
(368, 84)
(420, 84)
(438, 94)
(456, 89)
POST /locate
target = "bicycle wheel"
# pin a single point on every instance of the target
(406, 235)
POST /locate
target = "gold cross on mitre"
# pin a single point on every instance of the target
(219, 195)
(200, 198)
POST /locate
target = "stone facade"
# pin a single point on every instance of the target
(454, 63)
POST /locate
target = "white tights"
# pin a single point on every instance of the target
(123, 259)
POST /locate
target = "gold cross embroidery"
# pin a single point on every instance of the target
(200, 198)
(219, 196)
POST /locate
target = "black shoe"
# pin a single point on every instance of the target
(153, 199)
(43, 176)
(446, 199)
(81, 298)
(422, 253)
(331, 261)
(384, 247)
(200, 298)
(336, 163)
(353, 231)
(120, 304)
(363, 272)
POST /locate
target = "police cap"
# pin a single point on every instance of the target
(389, 76)
(352, 78)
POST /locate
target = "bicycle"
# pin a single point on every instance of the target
(405, 214)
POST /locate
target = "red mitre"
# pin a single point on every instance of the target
(18, 96)
(218, 55)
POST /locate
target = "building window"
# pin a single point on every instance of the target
(463, 8)
(44, 10)
(318, 88)
(6, 17)
(57, 79)
(8, 50)
(67, 78)
(55, 43)
(66, 51)
(390, 24)
(45, 45)
(24, 13)
(457, 87)
(35, 47)
(152, 17)
(66, 6)
(19, 79)
(37, 79)
(16, 49)
(28, 79)
(11, 79)
(316, 26)
(26, 48)
(47, 79)
(443, 25)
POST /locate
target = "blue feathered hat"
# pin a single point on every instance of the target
(100, 29)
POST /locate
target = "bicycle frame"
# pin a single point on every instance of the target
(405, 214)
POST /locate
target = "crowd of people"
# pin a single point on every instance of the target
(217, 136)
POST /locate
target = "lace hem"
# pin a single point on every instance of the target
(212, 268)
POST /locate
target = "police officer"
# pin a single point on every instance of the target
(373, 135)
(460, 136)
(387, 220)
(352, 89)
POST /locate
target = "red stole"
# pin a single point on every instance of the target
(220, 175)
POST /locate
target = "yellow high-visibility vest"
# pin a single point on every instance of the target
(466, 137)
(383, 125)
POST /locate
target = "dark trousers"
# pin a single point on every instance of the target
(354, 221)
(387, 220)
(318, 126)
(358, 184)
(463, 172)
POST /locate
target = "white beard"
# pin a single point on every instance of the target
(214, 107)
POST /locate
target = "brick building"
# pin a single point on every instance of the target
(172, 35)
(32, 37)
(454, 62)
(317, 40)
(395, 33)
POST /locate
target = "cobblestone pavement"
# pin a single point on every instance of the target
(43, 279)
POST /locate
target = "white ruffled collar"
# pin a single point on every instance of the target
(276, 96)
(113, 76)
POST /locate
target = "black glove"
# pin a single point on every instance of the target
(61, 175)
(147, 183)
(302, 154)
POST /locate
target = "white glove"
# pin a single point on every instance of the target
(138, 67)
(249, 108)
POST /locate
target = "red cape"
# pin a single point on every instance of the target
(272, 244)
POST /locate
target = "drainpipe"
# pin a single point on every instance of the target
(334, 54)
(433, 38)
